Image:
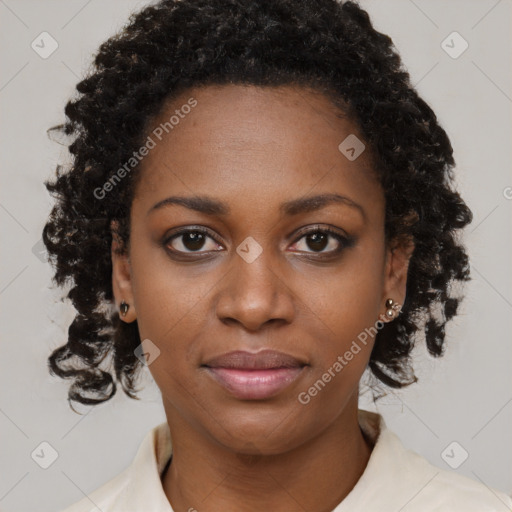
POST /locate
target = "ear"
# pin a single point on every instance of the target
(398, 255)
(121, 275)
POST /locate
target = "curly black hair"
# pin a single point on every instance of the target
(329, 46)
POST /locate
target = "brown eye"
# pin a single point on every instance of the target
(193, 241)
(317, 241)
(323, 241)
(188, 241)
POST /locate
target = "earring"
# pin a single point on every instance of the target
(124, 308)
(392, 308)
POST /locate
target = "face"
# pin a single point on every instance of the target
(274, 241)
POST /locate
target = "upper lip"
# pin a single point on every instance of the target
(262, 360)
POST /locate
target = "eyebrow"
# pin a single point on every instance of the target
(210, 206)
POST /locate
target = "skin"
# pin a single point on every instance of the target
(253, 149)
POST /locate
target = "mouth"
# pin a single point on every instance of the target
(254, 376)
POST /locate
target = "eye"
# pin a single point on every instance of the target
(200, 241)
(323, 240)
(190, 241)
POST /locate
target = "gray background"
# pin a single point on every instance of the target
(464, 397)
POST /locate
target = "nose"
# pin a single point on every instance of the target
(255, 293)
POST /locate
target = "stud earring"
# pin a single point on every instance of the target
(124, 308)
(392, 308)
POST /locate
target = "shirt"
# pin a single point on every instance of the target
(395, 480)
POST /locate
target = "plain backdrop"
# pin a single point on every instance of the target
(465, 397)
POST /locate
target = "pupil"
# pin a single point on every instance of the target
(318, 241)
(193, 241)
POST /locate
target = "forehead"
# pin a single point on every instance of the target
(242, 141)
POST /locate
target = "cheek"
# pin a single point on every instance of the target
(170, 306)
(335, 308)
(348, 310)
(345, 304)
(348, 298)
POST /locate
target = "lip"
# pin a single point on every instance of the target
(262, 360)
(254, 376)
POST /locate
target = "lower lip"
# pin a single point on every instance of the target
(254, 384)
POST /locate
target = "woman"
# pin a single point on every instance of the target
(260, 207)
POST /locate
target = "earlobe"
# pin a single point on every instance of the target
(397, 266)
(392, 310)
(123, 308)
(121, 278)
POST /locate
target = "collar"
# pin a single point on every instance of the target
(395, 479)
(143, 476)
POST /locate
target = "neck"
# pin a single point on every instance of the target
(316, 475)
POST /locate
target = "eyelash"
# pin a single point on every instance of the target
(344, 241)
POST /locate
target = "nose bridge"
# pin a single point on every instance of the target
(253, 293)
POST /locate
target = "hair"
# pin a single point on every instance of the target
(167, 48)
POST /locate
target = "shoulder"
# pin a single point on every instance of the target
(397, 478)
(103, 498)
(431, 488)
(451, 492)
(139, 485)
